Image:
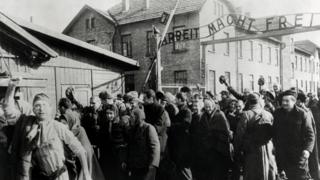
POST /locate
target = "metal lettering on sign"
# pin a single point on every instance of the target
(257, 28)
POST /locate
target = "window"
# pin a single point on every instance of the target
(296, 63)
(306, 86)
(297, 84)
(149, 41)
(213, 45)
(228, 77)
(269, 82)
(301, 84)
(93, 22)
(90, 23)
(292, 70)
(215, 8)
(240, 49)
(129, 82)
(126, 45)
(181, 77)
(310, 86)
(261, 53)
(269, 55)
(277, 57)
(313, 67)
(251, 79)
(301, 65)
(178, 44)
(310, 66)
(305, 65)
(278, 80)
(251, 51)
(212, 81)
(240, 85)
(87, 24)
(227, 45)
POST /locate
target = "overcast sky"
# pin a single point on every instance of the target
(56, 14)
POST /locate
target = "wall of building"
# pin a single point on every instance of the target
(172, 60)
(85, 74)
(306, 76)
(215, 58)
(250, 63)
(102, 33)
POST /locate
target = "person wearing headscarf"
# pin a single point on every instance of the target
(294, 138)
(71, 119)
(157, 116)
(143, 148)
(314, 158)
(211, 149)
(253, 140)
(38, 143)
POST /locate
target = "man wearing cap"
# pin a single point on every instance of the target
(294, 138)
(225, 101)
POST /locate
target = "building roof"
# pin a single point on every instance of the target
(307, 46)
(8, 22)
(78, 44)
(137, 12)
(104, 14)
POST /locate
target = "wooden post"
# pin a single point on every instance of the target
(158, 67)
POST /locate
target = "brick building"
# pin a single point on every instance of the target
(126, 29)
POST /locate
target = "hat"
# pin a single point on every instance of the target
(139, 114)
(224, 93)
(289, 93)
(302, 97)
(161, 96)
(105, 95)
(253, 98)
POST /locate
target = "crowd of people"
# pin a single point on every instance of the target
(266, 135)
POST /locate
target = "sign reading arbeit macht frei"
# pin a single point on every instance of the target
(248, 24)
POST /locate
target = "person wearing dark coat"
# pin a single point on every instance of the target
(315, 109)
(179, 139)
(294, 138)
(156, 116)
(89, 119)
(212, 149)
(143, 148)
(253, 140)
(112, 142)
(314, 158)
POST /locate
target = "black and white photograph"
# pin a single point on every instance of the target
(159, 90)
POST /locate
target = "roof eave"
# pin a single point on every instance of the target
(37, 43)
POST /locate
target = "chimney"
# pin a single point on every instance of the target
(125, 5)
(146, 4)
